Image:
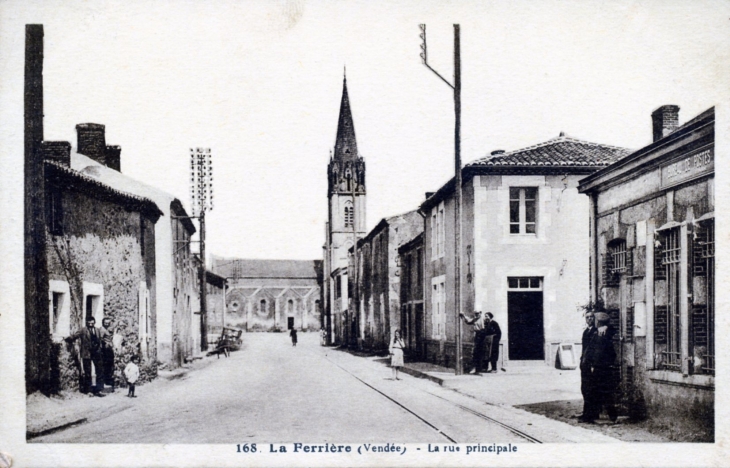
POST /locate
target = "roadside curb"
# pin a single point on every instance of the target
(33, 434)
(422, 375)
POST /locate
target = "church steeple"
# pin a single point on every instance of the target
(345, 144)
(346, 170)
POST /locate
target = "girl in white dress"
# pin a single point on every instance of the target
(396, 354)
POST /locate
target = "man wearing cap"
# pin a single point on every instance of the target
(601, 356)
(479, 323)
(90, 339)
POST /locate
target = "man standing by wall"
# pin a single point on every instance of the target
(479, 322)
(585, 368)
(107, 352)
(601, 356)
(90, 339)
(494, 335)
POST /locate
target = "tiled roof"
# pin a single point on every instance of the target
(254, 268)
(563, 151)
(58, 170)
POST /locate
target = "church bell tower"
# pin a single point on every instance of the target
(345, 188)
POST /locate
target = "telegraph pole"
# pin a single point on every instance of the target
(356, 288)
(457, 178)
(201, 194)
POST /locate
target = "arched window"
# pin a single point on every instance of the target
(262, 307)
(290, 307)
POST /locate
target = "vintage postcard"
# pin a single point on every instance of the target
(347, 233)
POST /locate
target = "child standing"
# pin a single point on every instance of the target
(131, 372)
(396, 353)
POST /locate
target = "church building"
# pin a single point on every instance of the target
(346, 223)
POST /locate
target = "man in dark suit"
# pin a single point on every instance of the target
(107, 352)
(601, 357)
(585, 369)
(495, 333)
(90, 340)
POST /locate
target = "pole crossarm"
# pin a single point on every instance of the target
(424, 56)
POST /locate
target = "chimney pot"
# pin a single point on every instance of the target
(664, 120)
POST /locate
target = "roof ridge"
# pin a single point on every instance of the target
(87, 178)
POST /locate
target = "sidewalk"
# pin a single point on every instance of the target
(537, 389)
(45, 415)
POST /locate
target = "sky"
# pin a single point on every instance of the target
(260, 83)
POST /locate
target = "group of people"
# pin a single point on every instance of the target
(598, 384)
(487, 336)
(97, 347)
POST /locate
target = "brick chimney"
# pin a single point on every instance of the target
(58, 151)
(92, 143)
(113, 157)
(664, 121)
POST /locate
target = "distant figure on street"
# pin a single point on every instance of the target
(396, 354)
(107, 352)
(131, 373)
(479, 323)
(90, 339)
(601, 356)
(293, 334)
(494, 334)
(585, 368)
(323, 337)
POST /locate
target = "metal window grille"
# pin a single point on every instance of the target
(670, 254)
(619, 257)
(349, 216)
(707, 257)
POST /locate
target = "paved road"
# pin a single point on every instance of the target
(270, 391)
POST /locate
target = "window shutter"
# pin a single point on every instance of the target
(660, 272)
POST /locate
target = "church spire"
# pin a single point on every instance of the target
(345, 144)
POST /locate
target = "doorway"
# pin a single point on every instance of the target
(289, 323)
(525, 319)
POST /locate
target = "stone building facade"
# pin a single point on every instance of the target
(412, 320)
(653, 269)
(101, 263)
(270, 295)
(524, 245)
(375, 290)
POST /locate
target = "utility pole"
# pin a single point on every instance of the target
(356, 288)
(457, 178)
(201, 194)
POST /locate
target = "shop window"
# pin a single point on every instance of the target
(523, 210)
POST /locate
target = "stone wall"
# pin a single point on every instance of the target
(101, 243)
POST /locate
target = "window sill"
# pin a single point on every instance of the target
(706, 382)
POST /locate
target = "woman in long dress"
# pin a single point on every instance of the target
(396, 354)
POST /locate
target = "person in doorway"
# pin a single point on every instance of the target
(494, 335)
(131, 373)
(396, 354)
(585, 368)
(293, 334)
(107, 352)
(601, 357)
(90, 339)
(479, 323)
